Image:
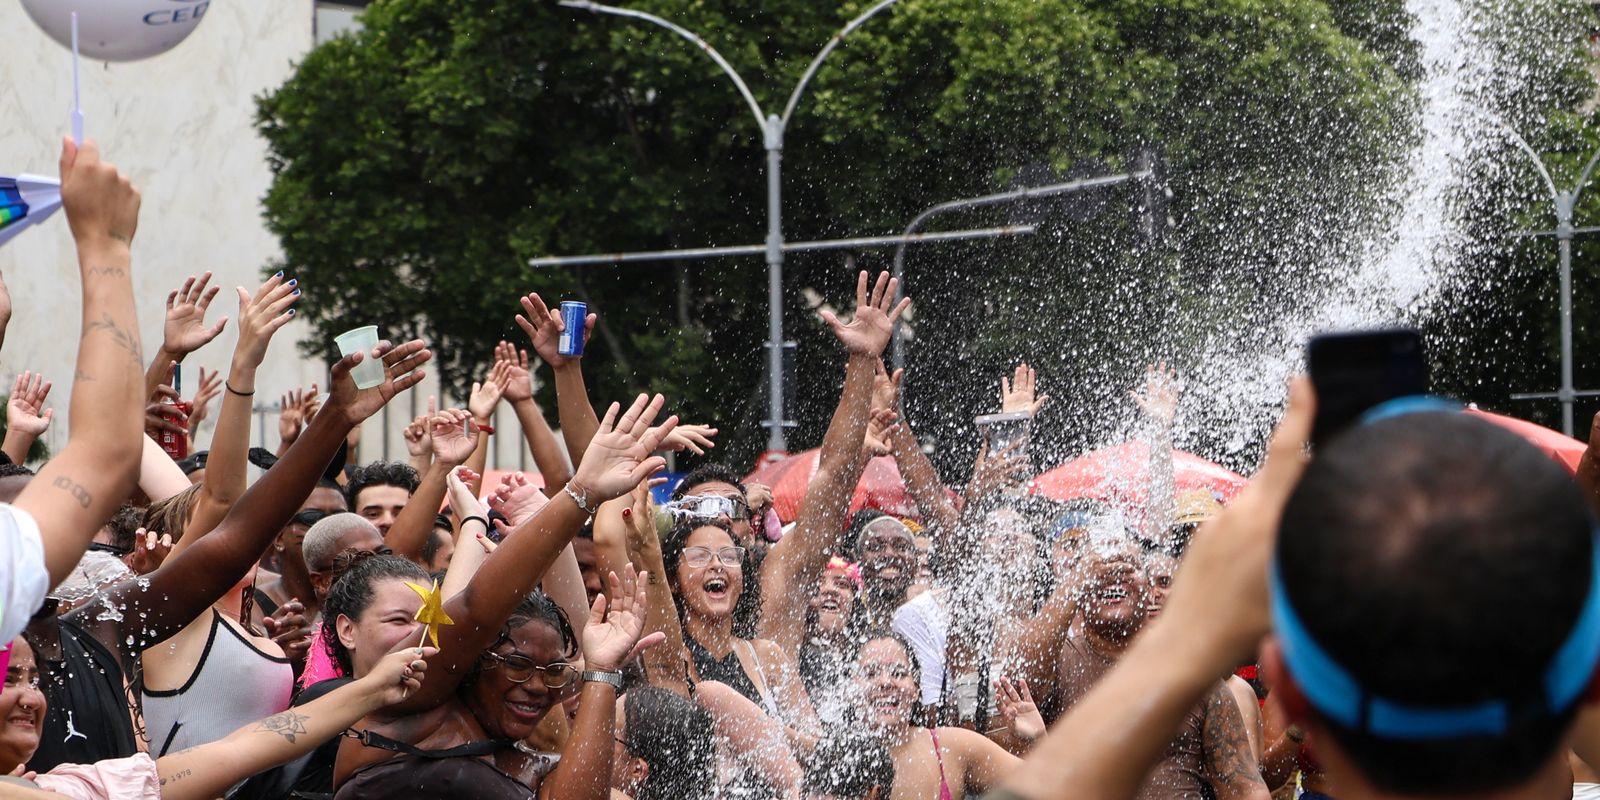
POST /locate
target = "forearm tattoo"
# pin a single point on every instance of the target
(287, 724)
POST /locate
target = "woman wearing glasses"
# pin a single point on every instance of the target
(706, 571)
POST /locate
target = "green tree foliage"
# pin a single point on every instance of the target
(422, 161)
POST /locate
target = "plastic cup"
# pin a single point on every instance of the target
(369, 372)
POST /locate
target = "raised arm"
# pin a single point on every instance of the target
(175, 594)
(482, 403)
(666, 665)
(451, 447)
(797, 559)
(207, 771)
(79, 489)
(1231, 765)
(544, 328)
(921, 478)
(26, 417)
(549, 454)
(1214, 618)
(1158, 404)
(621, 459)
(185, 329)
(260, 317)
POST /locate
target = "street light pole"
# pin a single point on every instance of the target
(1565, 205)
(772, 130)
(898, 355)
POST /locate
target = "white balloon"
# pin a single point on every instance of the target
(119, 30)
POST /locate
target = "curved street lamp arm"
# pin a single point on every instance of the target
(755, 108)
(1583, 179)
(799, 88)
(1527, 149)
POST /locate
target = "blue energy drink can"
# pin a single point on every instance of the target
(573, 316)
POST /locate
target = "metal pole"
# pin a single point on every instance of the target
(776, 439)
(1564, 204)
(897, 340)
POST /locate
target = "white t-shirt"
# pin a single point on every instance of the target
(25, 579)
(925, 622)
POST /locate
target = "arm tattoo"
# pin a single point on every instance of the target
(124, 338)
(107, 272)
(179, 775)
(74, 488)
(286, 724)
(1229, 764)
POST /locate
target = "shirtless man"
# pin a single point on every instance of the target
(1211, 755)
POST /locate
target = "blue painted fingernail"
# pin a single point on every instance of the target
(279, 275)
(297, 292)
(292, 281)
(291, 311)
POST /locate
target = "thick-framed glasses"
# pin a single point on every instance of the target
(521, 669)
(731, 557)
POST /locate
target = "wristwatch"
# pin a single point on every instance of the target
(581, 498)
(613, 678)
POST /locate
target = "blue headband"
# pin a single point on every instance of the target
(1336, 694)
(1410, 404)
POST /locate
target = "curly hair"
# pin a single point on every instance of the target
(352, 593)
(380, 473)
(535, 607)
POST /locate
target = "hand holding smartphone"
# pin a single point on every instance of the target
(1355, 371)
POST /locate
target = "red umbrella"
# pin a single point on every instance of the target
(1120, 473)
(1564, 449)
(881, 486)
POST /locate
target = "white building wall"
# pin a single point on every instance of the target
(181, 126)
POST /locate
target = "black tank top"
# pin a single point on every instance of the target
(727, 670)
(87, 720)
(418, 778)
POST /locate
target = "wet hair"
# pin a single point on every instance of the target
(169, 516)
(10, 469)
(380, 473)
(674, 736)
(351, 594)
(1441, 561)
(534, 607)
(849, 765)
(709, 473)
(746, 613)
(857, 528)
(124, 525)
(905, 644)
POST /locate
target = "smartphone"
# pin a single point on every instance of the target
(1004, 430)
(1357, 370)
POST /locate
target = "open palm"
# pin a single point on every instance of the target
(400, 373)
(869, 330)
(611, 638)
(619, 457)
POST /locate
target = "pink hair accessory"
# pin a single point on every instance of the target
(851, 569)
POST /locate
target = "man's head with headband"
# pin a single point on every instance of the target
(1436, 605)
(887, 554)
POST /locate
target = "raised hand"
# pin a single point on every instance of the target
(1020, 393)
(619, 457)
(262, 315)
(200, 405)
(160, 415)
(695, 438)
(25, 409)
(1001, 470)
(419, 440)
(517, 498)
(101, 204)
(397, 675)
(869, 330)
(1158, 398)
(292, 414)
(451, 443)
(290, 628)
(886, 388)
(486, 395)
(1018, 709)
(518, 385)
(185, 330)
(149, 551)
(462, 500)
(401, 372)
(611, 638)
(544, 328)
(876, 440)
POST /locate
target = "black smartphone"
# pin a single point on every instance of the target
(1004, 430)
(1356, 370)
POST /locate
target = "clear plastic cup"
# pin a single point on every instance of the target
(369, 372)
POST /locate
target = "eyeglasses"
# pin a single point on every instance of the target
(308, 517)
(895, 671)
(696, 557)
(888, 543)
(520, 669)
(709, 506)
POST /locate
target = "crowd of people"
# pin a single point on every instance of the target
(1411, 610)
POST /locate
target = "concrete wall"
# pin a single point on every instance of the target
(180, 125)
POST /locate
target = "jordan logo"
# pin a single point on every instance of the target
(72, 730)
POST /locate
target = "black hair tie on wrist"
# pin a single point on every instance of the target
(230, 388)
